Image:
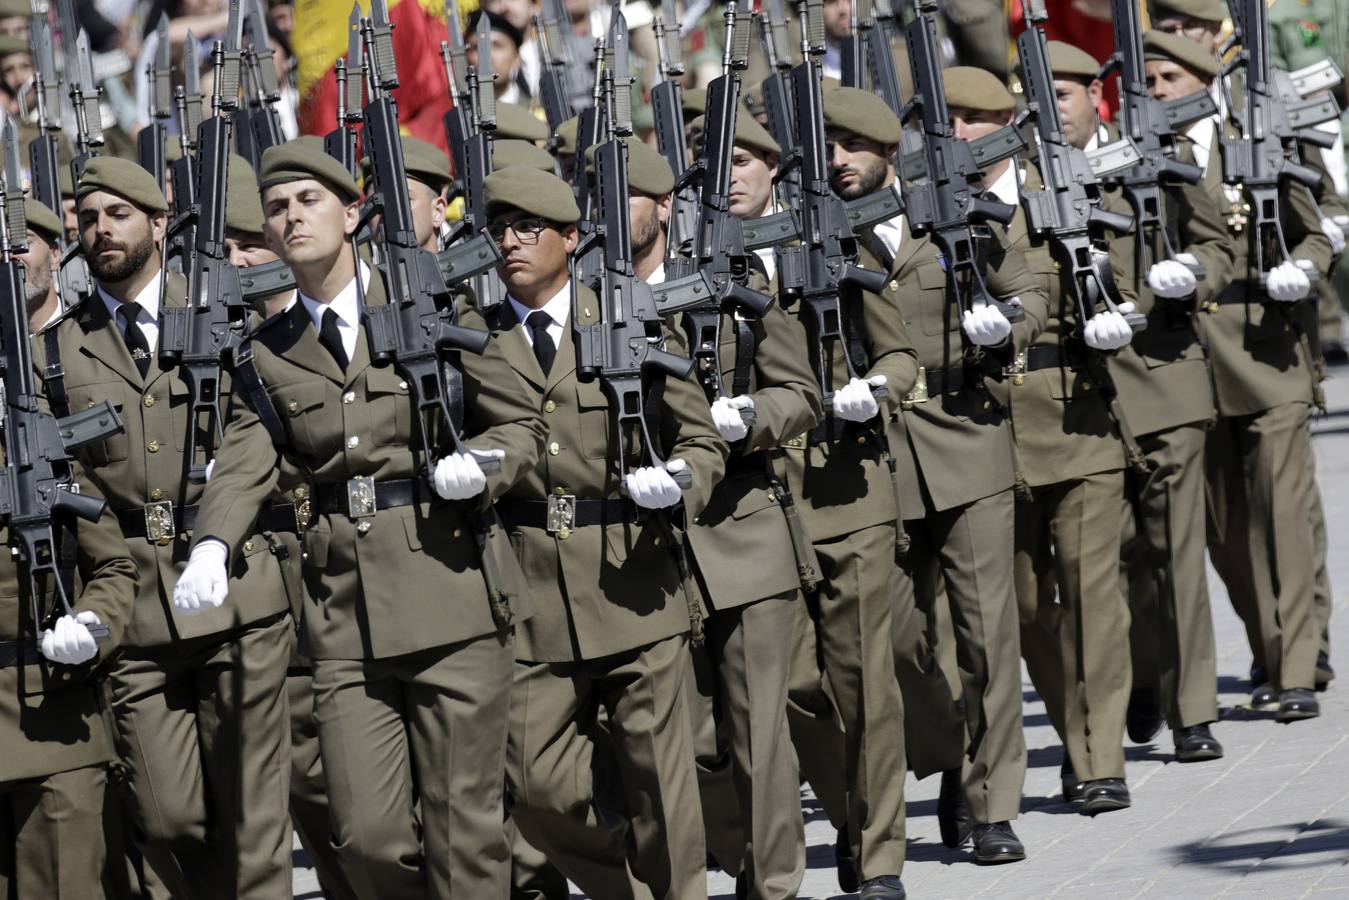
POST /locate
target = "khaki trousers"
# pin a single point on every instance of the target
(750, 789)
(1261, 538)
(969, 550)
(557, 753)
(126, 876)
(51, 836)
(813, 721)
(1077, 649)
(1162, 572)
(1323, 600)
(413, 751)
(202, 726)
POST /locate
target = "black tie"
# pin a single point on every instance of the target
(545, 351)
(331, 338)
(134, 337)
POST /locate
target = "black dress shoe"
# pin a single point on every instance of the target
(885, 887)
(1258, 674)
(1072, 788)
(1264, 698)
(845, 864)
(953, 814)
(1296, 704)
(1104, 795)
(1196, 744)
(996, 844)
(1335, 354)
(1325, 674)
(1144, 717)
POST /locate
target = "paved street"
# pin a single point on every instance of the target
(1271, 819)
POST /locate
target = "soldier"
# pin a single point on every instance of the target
(51, 711)
(198, 704)
(614, 608)
(40, 262)
(428, 179)
(411, 653)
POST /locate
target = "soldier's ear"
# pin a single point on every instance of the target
(570, 238)
(351, 217)
(159, 224)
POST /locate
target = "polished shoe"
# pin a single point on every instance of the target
(1264, 698)
(1258, 674)
(1296, 704)
(845, 864)
(886, 887)
(1325, 674)
(1144, 717)
(1072, 788)
(953, 815)
(1104, 795)
(1334, 353)
(996, 844)
(1196, 744)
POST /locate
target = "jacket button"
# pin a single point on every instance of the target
(349, 397)
(861, 439)
(549, 406)
(563, 534)
(149, 400)
(353, 442)
(153, 446)
(248, 546)
(156, 494)
(301, 492)
(554, 449)
(293, 406)
(457, 533)
(363, 526)
(559, 490)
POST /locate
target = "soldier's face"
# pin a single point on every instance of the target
(857, 166)
(752, 176)
(1078, 103)
(837, 19)
(118, 238)
(428, 213)
(1201, 31)
(505, 57)
(1169, 80)
(646, 216)
(37, 263)
(17, 70)
(534, 253)
(972, 124)
(246, 249)
(519, 13)
(306, 223)
(14, 26)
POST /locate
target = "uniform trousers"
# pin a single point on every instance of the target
(202, 726)
(813, 721)
(413, 750)
(51, 836)
(1076, 646)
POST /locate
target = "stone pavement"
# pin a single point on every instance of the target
(1271, 819)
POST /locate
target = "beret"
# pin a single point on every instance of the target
(968, 87)
(506, 154)
(748, 133)
(566, 136)
(304, 158)
(243, 205)
(11, 44)
(1065, 59)
(542, 194)
(515, 121)
(694, 102)
(1190, 54)
(64, 179)
(861, 112)
(648, 172)
(426, 162)
(125, 179)
(1207, 10)
(42, 220)
(12, 8)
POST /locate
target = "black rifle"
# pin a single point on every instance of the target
(39, 500)
(340, 143)
(150, 141)
(84, 98)
(780, 104)
(570, 51)
(554, 89)
(881, 56)
(259, 125)
(667, 107)
(590, 128)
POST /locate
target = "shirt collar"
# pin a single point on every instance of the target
(344, 304)
(557, 307)
(1006, 188)
(658, 275)
(148, 298)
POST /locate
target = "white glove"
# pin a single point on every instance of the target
(204, 582)
(986, 326)
(459, 477)
(1335, 233)
(1287, 282)
(853, 402)
(70, 642)
(1109, 330)
(726, 415)
(1171, 279)
(652, 487)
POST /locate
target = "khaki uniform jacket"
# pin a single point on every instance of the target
(956, 448)
(144, 464)
(412, 580)
(601, 589)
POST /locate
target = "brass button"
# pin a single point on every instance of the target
(656, 540)
(349, 397)
(549, 406)
(363, 526)
(1018, 379)
(861, 439)
(353, 442)
(402, 385)
(1086, 386)
(697, 520)
(149, 400)
(554, 449)
(153, 446)
(301, 492)
(559, 491)
(156, 494)
(457, 533)
(563, 534)
(293, 406)
(248, 546)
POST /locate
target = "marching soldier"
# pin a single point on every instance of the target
(411, 653)
(613, 606)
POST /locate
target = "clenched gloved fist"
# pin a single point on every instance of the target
(69, 641)
(1335, 233)
(853, 402)
(1171, 279)
(1286, 283)
(651, 487)
(459, 477)
(204, 582)
(729, 421)
(1109, 330)
(986, 326)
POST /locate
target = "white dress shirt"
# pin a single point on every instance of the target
(148, 315)
(891, 233)
(347, 309)
(1006, 187)
(658, 276)
(558, 308)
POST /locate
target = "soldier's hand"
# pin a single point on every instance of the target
(1286, 283)
(986, 326)
(651, 487)
(459, 477)
(69, 641)
(204, 582)
(729, 421)
(1171, 279)
(1334, 232)
(854, 403)
(1109, 330)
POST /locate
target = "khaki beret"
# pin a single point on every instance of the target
(648, 172)
(566, 136)
(304, 158)
(426, 162)
(506, 154)
(861, 112)
(694, 102)
(173, 150)
(516, 122)
(968, 87)
(123, 178)
(12, 8)
(243, 204)
(538, 193)
(1207, 10)
(1065, 59)
(748, 134)
(1190, 54)
(42, 220)
(11, 44)
(65, 180)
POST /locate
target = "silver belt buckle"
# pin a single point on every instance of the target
(561, 513)
(361, 497)
(159, 527)
(919, 393)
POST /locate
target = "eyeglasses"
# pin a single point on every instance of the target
(526, 230)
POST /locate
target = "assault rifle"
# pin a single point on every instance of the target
(260, 125)
(569, 51)
(150, 141)
(668, 108)
(340, 143)
(780, 104)
(472, 122)
(554, 88)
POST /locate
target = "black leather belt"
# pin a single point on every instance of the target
(18, 653)
(358, 497)
(564, 511)
(1052, 356)
(152, 520)
(945, 381)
